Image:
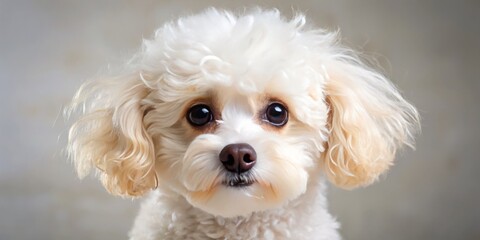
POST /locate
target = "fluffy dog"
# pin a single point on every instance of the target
(231, 124)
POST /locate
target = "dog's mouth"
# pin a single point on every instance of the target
(239, 180)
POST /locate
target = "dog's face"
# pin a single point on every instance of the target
(231, 149)
(237, 114)
(245, 128)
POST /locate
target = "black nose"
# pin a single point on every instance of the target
(238, 157)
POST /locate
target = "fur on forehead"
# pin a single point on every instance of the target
(255, 53)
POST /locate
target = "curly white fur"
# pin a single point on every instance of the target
(346, 123)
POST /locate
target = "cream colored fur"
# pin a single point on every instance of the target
(346, 122)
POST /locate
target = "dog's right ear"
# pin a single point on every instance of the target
(368, 121)
(110, 135)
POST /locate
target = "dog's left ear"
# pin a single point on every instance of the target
(110, 135)
(368, 120)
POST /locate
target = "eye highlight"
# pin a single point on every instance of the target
(199, 115)
(276, 114)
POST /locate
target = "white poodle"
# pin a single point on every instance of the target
(231, 124)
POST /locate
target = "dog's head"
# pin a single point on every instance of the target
(238, 113)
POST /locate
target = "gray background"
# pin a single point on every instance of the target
(430, 49)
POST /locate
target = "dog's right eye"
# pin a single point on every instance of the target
(199, 115)
(276, 114)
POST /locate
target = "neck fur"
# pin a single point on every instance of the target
(172, 217)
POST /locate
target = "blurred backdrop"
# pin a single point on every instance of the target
(430, 49)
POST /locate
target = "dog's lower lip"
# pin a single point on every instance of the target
(238, 183)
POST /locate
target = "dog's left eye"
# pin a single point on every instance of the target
(276, 114)
(199, 115)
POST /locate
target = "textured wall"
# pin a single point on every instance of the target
(429, 48)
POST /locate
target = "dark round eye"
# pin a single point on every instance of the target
(277, 114)
(199, 115)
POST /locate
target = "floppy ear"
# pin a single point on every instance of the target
(110, 135)
(368, 121)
